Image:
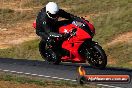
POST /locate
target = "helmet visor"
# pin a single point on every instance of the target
(53, 16)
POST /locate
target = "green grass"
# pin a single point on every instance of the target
(83, 6)
(40, 82)
(28, 50)
(122, 53)
(109, 25)
(9, 15)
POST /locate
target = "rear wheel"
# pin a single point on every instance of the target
(48, 54)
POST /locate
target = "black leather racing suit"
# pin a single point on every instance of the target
(46, 26)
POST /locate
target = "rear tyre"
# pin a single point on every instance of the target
(48, 54)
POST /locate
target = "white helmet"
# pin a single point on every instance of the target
(52, 9)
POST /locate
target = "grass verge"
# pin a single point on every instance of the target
(14, 81)
(121, 54)
(10, 16)
(110, 25)
(28, 50)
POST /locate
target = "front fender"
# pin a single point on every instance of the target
(89, 42)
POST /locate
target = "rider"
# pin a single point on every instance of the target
(47, 21)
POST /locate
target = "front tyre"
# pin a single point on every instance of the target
(96, 57)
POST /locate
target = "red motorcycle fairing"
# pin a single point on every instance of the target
(91, 26)
(74, 43)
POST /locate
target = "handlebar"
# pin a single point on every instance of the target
(79, 22)
(55, 35)
(73, 32)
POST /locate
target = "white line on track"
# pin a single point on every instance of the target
(45, 76)
(6, 70)
(19, 72)
(27, 73)
(108, 86)
(55, 77)
(40, 75)
(13, 71)
(34, 74)
(61, 78)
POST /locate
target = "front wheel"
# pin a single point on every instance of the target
(96, 56)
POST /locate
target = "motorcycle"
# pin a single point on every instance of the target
(78, 48)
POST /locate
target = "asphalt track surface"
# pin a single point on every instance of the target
(64, 71)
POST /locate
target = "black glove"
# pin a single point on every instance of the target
(66, 36)
(50, 41)
(77, 19)
(70, 34)
(54, 35)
